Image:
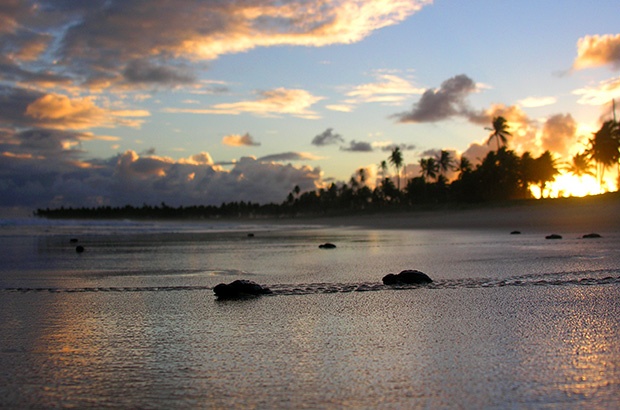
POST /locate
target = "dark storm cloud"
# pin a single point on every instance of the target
(440, 104)
(327, 137)
(141, 71)
(402, 147)
(130, 178)
(358, 146)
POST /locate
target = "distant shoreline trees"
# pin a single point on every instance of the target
(501, 175)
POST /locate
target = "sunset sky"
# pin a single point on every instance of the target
(114, 102)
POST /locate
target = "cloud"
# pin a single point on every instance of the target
(288, 156)
(270, 103)
(340, 107)
(358, 146)
(245, 140)
(603, 94)
(389, 89)
(22, 107)
(62, 112)
(534, 102)
(559, 134)
(476, 152)
(598, 50)
(100, 41)
(390, 147)
(327, 137)
(131, 178)
(446, 102)
(144, 72)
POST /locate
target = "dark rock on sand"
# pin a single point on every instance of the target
(79, 249)
(406, 277)
(591, 235)
(240, 289)
(250, 235)
(327, 246)
(515, 233)
(553, 236)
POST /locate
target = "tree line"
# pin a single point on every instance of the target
(501, 175)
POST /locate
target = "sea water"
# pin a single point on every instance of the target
(509, 321)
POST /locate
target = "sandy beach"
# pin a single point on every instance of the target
(510, 321)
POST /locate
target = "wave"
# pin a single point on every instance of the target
(562, 279)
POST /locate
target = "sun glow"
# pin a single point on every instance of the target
(567, 185)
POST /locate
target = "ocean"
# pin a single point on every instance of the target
(510, 321)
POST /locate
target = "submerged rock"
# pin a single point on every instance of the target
(591, 235)
(79, 249)
(407, 277)
(327, 245)
(240, 289)
(515, 233)
(553, 236)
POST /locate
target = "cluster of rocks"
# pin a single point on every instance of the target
(557, 236)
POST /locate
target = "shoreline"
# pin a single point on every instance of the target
(556, 215)
(586, 214)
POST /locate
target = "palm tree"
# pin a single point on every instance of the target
(545, 170)
(396, 159)
(605, 147)
(464, 166)
(445, 162)
(499, 131)
(580, 165)
(429, 168)
(362, 176)
(383, 166)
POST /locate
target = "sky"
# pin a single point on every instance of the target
(187, 102)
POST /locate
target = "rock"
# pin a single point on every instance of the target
(553, 236)
(515, 233)
(591, 235)
(73, 240)
(240, 289)
(250, 235)
(406, 277)
(327, 245)
(79, 249)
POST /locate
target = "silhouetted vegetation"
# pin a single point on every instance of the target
(502, 175)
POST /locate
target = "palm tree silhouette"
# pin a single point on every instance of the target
(545, 170)
(383, 166)
(396, 159)
(499, 131)
(445, 162)
(464, 166)
(605, 147)
(429, 168)
(580, 165)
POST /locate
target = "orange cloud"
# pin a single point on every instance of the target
(603, 94)
(293, 102)
(389, 89)
(235, 140)
(61, 112)
(312, 23)
(597, 50)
